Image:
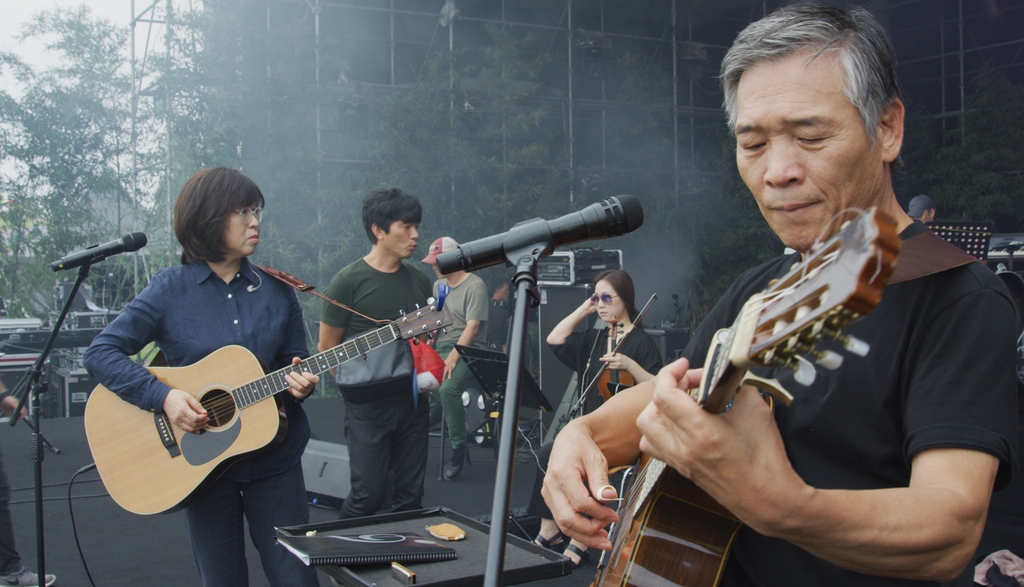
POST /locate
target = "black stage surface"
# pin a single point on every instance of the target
(121, 548)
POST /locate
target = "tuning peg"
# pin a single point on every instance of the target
(855, 345)
(401, 312)
(830, 360)
(444, 331)
(803, 371)
(779, 326)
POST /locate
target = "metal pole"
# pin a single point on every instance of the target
(963, 122)
(675, 103)
(167, 126)
(525, 282)
(572, 162)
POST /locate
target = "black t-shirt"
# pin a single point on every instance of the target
(582, 351)
(940, 373)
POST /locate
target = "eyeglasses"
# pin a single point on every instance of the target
(606, 298)
(247, 214)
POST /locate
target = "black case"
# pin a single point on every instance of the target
(524, 561)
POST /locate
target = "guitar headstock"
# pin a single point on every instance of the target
(422, 321)
(839, 282)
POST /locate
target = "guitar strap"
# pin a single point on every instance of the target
(925, 254)
(299, 285)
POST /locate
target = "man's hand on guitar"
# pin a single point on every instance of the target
(577, 462)
(185, 411)
(737, 457)
(301, 385)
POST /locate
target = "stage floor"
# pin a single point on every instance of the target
(124, 549)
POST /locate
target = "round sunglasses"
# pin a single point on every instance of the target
(606, 298)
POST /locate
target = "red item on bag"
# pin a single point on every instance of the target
(428, 364)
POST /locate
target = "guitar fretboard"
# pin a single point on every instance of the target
(264, 387)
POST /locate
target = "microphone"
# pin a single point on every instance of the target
(125, 244)
(610, 217)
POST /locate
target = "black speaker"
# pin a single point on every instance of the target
(557, 302)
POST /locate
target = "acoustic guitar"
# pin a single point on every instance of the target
(672, 533)
(150, 466)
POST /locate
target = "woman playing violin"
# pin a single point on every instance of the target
(614, 302)
(637, 359)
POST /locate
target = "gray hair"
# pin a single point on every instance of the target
(865, 52)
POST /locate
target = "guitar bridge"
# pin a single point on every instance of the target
(163, 428)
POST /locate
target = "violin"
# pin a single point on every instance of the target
(612, 381)
(622, 378)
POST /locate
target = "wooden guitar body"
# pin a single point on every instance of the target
(149, 466)
(140, 473)
(677, 536)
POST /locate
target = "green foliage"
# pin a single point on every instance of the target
(65, 145)
(979, 175)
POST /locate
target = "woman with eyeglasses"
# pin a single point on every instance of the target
(614, 302)
(215, 298)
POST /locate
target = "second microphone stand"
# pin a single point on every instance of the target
(32, 385)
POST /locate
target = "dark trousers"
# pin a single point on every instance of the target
(386, 437)
(10, 560)
(216, 528)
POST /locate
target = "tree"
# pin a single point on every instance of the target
(66, 142)
(979, 175)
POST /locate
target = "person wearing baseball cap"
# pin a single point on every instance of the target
(441, 245)
(468, 303)
(921, 208)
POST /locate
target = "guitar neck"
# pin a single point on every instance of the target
(266, 386)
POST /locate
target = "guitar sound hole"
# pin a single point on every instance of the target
(220, 407)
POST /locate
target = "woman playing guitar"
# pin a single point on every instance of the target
(637, 360)
(214, 299)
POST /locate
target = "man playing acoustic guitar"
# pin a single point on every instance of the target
(880, 472)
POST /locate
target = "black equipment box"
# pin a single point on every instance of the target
(556, 269)
(589, 262)
(68, 393)
(524, 561)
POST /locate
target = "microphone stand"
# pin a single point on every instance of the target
(525, 282)
(31, 385)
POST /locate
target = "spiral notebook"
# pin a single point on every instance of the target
(365, 549)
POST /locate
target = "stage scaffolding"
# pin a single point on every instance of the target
(941, 44)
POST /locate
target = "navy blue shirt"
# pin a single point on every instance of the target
(190, 312)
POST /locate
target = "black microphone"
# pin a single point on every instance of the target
(125, 244)
(610, 217)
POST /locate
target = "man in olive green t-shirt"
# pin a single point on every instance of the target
(384, 430)
(468, 303)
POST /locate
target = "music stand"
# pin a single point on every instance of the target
(971, 237)
(490, 368)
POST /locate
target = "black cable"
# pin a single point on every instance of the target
(74, 527)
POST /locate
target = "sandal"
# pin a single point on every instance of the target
(582, 554)
(550, 543)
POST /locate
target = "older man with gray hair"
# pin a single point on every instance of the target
(879, 473)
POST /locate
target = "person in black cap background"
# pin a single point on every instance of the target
(922, 208)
